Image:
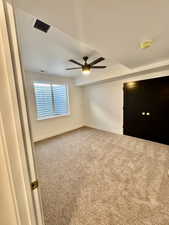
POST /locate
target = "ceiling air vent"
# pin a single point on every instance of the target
(41, 26)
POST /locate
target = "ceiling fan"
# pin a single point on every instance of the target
(86, 67)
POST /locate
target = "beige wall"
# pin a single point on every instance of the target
(42, 129)
(104, 103)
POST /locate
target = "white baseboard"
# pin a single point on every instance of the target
(36, 139)
(113, 130)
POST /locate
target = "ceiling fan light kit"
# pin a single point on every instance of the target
(86, 70)
(86, 67)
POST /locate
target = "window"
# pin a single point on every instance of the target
(51, 100)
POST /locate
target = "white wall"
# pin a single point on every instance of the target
(104, 102)
(98, 105)
(42, 129)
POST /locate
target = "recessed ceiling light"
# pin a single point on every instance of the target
(146, 44)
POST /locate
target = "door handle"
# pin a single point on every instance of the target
(145, 113)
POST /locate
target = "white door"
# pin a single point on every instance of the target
(12, 57)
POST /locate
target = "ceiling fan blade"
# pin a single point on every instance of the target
(75, 68)
(96, 61)
(73, 61)
(98, 67)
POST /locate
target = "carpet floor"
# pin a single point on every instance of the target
(93, 177)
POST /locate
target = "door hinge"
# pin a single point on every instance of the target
(34, 184)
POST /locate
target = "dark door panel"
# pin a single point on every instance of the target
(146, 109)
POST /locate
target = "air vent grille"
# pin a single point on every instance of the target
(40, 25)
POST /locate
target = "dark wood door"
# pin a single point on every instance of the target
(146, 109)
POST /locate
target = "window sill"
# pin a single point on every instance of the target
(50, 117)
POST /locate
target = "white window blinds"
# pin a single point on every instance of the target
(51, 100)
(60, 99)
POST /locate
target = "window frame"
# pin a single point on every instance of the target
(52, 83)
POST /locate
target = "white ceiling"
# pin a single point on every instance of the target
(110, 28)
(50, 51)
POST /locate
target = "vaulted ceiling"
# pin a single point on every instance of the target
(110, 28)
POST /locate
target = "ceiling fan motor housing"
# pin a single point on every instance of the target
(86, 67)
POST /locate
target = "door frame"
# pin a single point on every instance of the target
(15, 136)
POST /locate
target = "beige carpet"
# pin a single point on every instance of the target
(92, 177)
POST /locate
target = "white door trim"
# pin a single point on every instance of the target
(13, 144)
